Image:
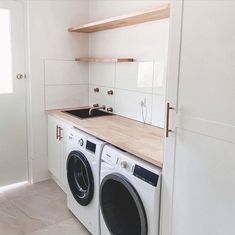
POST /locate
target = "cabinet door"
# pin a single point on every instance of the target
(53, 147)
(198, 173)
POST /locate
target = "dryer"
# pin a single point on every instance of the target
(83, 168)
(129, 194)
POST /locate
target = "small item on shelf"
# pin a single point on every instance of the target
(96, 89)
(110, 92)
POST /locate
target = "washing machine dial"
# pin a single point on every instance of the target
(81, 142)
(123, 164)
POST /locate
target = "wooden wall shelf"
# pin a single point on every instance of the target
(96, 59)
(158, 13)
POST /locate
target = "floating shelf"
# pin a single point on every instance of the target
(159, 13)
(96, 59)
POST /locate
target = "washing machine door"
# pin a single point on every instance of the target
(80, 177)
(121, 207)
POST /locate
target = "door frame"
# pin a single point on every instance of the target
(173, 69)
(28, 93)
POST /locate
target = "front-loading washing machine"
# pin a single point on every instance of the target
(83, 168)
(129, 194)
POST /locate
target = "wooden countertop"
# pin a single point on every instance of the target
(143, 140)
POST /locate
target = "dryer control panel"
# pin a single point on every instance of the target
(146, 175)
(90, 146)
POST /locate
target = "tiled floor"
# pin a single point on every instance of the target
(38, 209)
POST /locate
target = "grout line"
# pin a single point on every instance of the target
(83, 84)
(151, 110)
(44, 74)
(89, 98)
(115, 89)
(135, 91)
(121, 89)
(124, 89)
(52, 59)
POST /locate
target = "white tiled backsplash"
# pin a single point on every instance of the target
(72, 84)
(132, 84)
(66, 84)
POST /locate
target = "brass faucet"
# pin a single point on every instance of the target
(96, 108)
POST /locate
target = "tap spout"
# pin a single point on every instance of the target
(96, 108)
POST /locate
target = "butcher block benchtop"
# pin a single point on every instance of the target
(143, 140)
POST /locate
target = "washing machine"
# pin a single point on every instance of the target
(83, 168)
(129, 194)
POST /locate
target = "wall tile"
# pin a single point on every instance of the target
(159, 81)
(127, 103)
(137, 76)
(158, 111)
(102, 74)
(66, 72)
(133, 83)
(66, 96)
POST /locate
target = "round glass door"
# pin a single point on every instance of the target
(121, 207)
(80, 177)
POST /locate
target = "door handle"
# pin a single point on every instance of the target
(168, 130)
(20, 76)
(60, 133)
(57, 132)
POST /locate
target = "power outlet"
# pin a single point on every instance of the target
(143, 103)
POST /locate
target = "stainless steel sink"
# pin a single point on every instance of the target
(84, 113)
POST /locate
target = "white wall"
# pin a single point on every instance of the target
(49, 40)
(56, 81)
(147, 42)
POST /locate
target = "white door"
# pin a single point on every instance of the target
(199, 168)
(13, 141)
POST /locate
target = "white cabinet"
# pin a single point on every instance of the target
(198, 173)
(63, 153)
(57, 136)
(53, 147)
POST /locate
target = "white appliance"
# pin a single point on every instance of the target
(129, 194)
(83, 168)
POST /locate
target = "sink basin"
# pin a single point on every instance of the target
(84, 113)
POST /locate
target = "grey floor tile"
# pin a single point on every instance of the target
(48, 206)
(37, 209)
(14, 221)
(66, 227)
(47, 188)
